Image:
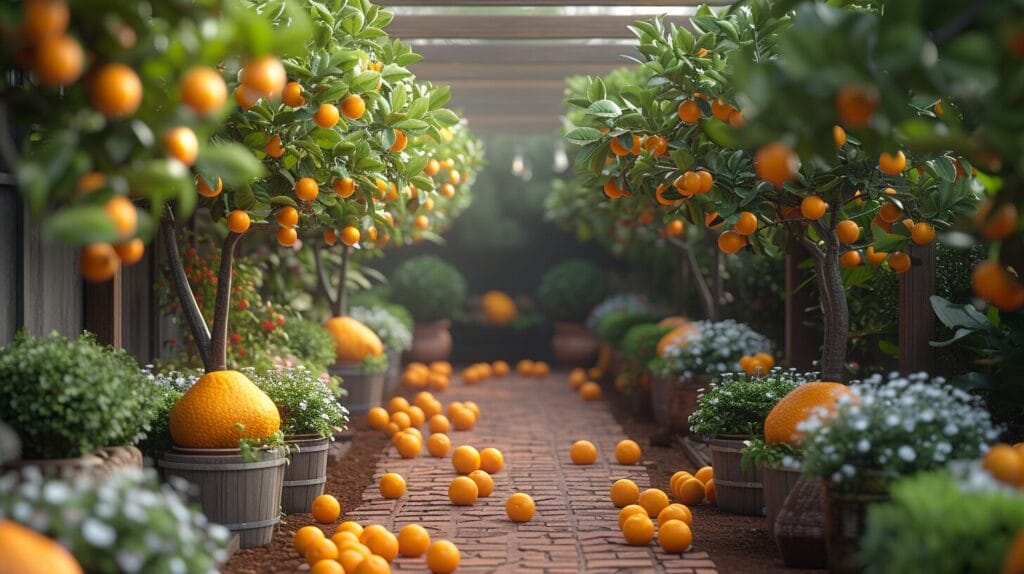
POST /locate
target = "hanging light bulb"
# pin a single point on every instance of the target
(527, 172)
(561, 158)
(518, 163)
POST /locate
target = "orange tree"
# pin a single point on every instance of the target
(332, 128)
(110, 104)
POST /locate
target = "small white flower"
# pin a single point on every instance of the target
(863, 445)
(98, 534)
(906, 453)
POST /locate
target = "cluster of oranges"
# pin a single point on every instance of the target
(757, 364)
(535, 369)
(627, 452)
(640, 510)
(479, 372)
(588, 390)
(354, 549)
(474, 481)
(1006, 463)
(436, 376)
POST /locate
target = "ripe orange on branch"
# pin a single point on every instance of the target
(776, 163)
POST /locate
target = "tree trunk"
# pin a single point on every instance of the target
(193, 315)
(322, 279)
(218, 360)
(340, 303)
(834, 309)
(704, 293)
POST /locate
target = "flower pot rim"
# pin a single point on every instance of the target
(224, 451)
(439, 324)
(310, 436)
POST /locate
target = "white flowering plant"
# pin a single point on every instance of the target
(713, 348)
(632, 303)
(395, 335)
(127, 523)
(895, 426)
(305, 401)
(738, 404)
(168, 388)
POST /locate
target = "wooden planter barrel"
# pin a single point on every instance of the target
(673, 401)
(243, 496)
(846, 520)
(365, 390)
(393, 377)
(737, 491)
(306, 474)
(778, 483)
(96, 466)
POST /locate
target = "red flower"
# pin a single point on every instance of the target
(243, 304)
(236, 338)
(268, 325)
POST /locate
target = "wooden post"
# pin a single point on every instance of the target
(801, 342)
(101, 308)
(916, 318)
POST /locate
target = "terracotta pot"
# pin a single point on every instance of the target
(846, 519)
(97, 465)
(674, 401)
(574, 345)
(431, 342)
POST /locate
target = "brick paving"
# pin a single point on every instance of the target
(533, 423)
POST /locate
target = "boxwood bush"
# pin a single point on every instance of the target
(429, 287)
(569, 290)
(310, 344)
(68, 397)
(640, 345)
(738, 404)
(613, 328)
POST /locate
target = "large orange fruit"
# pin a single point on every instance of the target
(353, 341)
(28, 552)
(780, 426)
(207, 415)
(677, 336)
(499, 307)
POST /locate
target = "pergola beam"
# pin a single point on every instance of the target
(516, 27)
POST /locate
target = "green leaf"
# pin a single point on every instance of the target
(581, 136)
(81, 225)
(604, 109)
(422, 182)
(445, 117)
(418, 107)
(325, 138)
(597, 90)
(411, 125)
(365, 82)
(282, 200)
(232, 162)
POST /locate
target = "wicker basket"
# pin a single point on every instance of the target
(800, 526)
(846, 519)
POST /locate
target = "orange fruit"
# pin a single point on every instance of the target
(519, 507)
(408, 445)
(306, 189)
(287, 236)
(43, 19)
(627, 452)
(484, 482)
(326, 509)
(689, 112)
(292, 95)
(465, 459)
(274, 147)
(500, 368)
(421, 222)
(813, 207)
(116, 91)
(413, 541)
(463, 419)
(992, 282)
(246, 98)
(656, 145)
(619, 150)
(856, 104)
(780, 426)
(392, 485)
(350, 559)
(676, 477)
(321, 549)
(891, 164)
(265, 75)
(776, 163)
(392, 429)
(675, 536)
(453, 406)
(401, 419)
(613, 191)
(330, 237)
(432, 168)
(899, 262)
(923, 233)
(204, 188)
(439, 424)
(746, 224)
(401, 141)
(353, 107)
(1013, 563)
(350, 235)
(99, 262)
(326, 116)
(342, 536)
(491, 460)
(583, 452)
(730, 242)
(999, 225)
(378, 418)
(675, 511)
(305, 537)
(380, 541)
(1005, 464)
(344, 187)
(839, 136)
(130, 251)
(850, 259)
(653, 500)
(373, 565)
(638, 530)
(704, 474)
(847, 231)
(707, 181)
(675, 228)
(690, 491)
(181, 144)
(448, 190)
(203, 89)
(327, 566)
(59, 61)
(210, 414)
(890, 212)
(442, 557)
(463, 491)
(287, 217)
(624, 492)
(454, 177)
(736, 119)
(875, 257)
(709, 492)
(590, 391)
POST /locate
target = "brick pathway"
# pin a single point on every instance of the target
(575, 529)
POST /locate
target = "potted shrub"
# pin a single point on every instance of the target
(945, 522)
(395, 334)
(639, 348)
(310, 417)
(309, 345)
(76, 405)
(886, 429)
(611, 331)
(127, 523)
(689, 356)
(730, 412)
(433, 291)
(567, 293)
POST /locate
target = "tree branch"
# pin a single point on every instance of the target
(322, 280)
(341, 298)
(193, 315)
(222, 305)
(8, 150)
(707, 299)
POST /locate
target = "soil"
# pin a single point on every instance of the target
(737, 544)
(347, 477)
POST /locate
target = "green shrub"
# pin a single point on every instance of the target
(310, 344)
(168, 388)
(66, 398)
(738, 406)
(307, 405)
(613, 328)
(395, 335)
(429, 287)
(569, 290)
(640, 345)
(936, 524)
